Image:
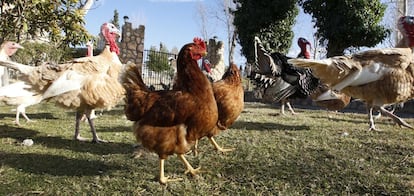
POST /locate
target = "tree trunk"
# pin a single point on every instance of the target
(232, 45)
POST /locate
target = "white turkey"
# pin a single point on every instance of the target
(379, 77)
(82, 84)
(18, 93)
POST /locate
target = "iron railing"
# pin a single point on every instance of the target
(158, 80)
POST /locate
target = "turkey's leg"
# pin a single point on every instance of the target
(77, 136)
(282, 107)
(92, 126)
(396, 119)
(371, 120)
(290, 107)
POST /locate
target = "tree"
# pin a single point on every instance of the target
(270, 20)
(347, 23)
(61, 21)
(158, 60)
(115, 19)
(227, 18)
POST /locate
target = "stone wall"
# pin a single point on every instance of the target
(132, 44)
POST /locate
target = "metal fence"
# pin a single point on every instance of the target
(163, 80)
(158, 80)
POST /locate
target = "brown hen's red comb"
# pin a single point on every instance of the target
(200, 42)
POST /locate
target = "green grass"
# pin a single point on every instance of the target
(306, 154)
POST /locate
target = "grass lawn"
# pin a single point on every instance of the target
(312, 153)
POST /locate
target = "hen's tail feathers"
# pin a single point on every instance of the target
(24, 69)
(136, 93)
(131, 78)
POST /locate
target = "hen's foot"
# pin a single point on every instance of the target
(218, 147)
(224, 150)
(192, 171)
(166, 179)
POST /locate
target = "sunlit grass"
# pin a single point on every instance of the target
(312, 153)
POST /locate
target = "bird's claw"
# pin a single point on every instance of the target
(224, 150)
(79, 138)
(99, 141)
(165, 179)
(373, 128)
(192, 171)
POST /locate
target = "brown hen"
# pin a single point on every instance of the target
(169, 122)
(229, 95)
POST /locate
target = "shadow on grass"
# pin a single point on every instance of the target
(61, 143)
(55, 165)
(118, 112)
(384, 120)
(266, 126)
(341, 119)
(116, 129)
(87, 146)
(31, 116)
(16, 132)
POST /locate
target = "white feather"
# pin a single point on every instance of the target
(68, 81)
(17, 89)
(328, 95)
(364, 76)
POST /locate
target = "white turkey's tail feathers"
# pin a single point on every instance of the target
(24, 69)
(17, 89)
(310, 63)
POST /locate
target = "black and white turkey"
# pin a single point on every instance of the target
(280, 81)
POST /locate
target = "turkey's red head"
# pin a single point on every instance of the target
(9, 48)
(198, 49)
(302, 42)
(110, 33)
(206, 65)
(406, 26)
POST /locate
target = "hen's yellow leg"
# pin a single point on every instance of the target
(190, 168)
(218, 147)
(164, 179)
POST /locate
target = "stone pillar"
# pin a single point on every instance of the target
(132, 44)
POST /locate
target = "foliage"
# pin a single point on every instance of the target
(158, 59)
(35, 53)
(312, 153)
(115, 19)
(59, 20)
(347, 23)
(270, 20)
